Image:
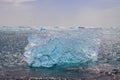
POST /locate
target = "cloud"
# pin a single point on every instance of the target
(18, 1)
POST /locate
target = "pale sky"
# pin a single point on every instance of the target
(66, 13)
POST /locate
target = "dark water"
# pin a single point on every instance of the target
(12, 44)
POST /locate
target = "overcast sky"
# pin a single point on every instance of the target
(67, 13)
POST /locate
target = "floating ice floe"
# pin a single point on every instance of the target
(63, 48)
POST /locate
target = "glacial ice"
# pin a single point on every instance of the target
(63, 48)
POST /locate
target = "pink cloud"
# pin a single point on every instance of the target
(18, 1)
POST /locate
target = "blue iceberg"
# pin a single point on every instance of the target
(62, 48)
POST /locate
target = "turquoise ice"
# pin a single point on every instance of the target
(62, 48)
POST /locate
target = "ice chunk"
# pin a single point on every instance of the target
(50, 48)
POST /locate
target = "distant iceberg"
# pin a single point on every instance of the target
(63, 48)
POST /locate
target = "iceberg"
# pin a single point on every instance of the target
(63, 48)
